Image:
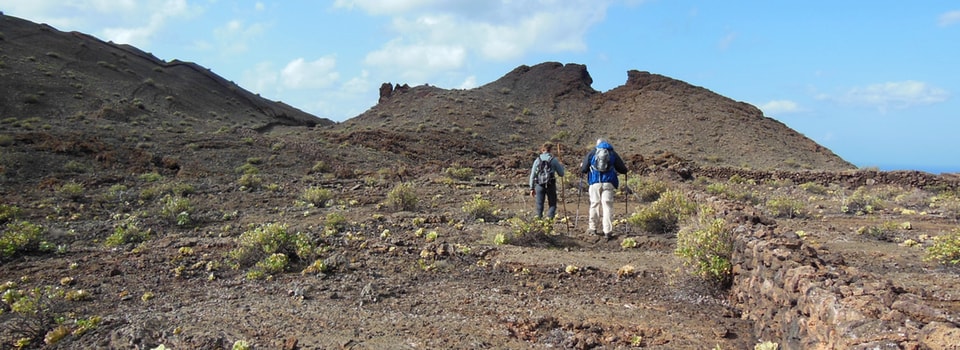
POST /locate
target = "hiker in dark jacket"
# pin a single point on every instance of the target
(548, 188)
(603, 185)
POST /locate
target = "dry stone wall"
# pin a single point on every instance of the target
(803, 298)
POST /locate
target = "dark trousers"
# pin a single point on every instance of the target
(549, 191)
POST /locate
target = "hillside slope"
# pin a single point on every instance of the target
(649, 116)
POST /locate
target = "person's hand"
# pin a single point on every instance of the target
(533, 192)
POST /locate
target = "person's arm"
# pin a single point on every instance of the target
(533, 171)
(585, 164)
(619, 165)
(558, 167)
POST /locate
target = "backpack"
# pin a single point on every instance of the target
(601, 160)
(544, 172)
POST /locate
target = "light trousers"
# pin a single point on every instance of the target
(601, 205)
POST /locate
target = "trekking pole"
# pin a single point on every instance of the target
(576, 222)
(563, 200)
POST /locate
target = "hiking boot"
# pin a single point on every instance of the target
(607, 235)
(591, 232)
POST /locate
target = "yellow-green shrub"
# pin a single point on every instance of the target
(20, 237)
(479, 208)
(785, 207)
(318, 196)
(664, 214)
(707, 248)
(402, 197)
(945, 249)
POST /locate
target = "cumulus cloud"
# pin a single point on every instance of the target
(888, 95)
(125, 21)
(780, 107)
(234, 36)
(468, 83)
(432, 35)
(300, 74)
(949, 18)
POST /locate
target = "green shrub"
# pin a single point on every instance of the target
(647, 191)
(813, 187)
(707, 248)
(402, 197)
(176, 209)
(528, 231)
(784, 207)
(861, 202)
(318, 196)
(20, 237)
(479, 209)
(260, 247)
(335, 221)
(459, 173)
(127, 230)
(8, 212)
(945, 249)
(75, 167)
(247, 169)
(250, 181)
(663, 215)
(151, 177)
(71, 190)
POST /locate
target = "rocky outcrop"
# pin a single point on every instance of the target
(803, 298)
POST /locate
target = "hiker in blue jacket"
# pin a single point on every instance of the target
(543, 180)
(602, 165)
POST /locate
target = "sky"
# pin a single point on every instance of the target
(876, 82)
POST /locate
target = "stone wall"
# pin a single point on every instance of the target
(803, 298)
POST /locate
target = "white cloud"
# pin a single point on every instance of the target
(469, 83)
(727, 40)
(417, 61)
(300, 74)
(897, 95)
(780, 107)
(122, 21)
(262, 78)
(232, 38)
(949, 18)
(357, 85)
(432, 35)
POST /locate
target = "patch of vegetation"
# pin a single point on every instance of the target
(647, 190)
(945, 249)
(269, 248)
(39, 317)
(127, 230)
(249, 182)
(528, 232)
(814, 188)
(9, 212)
(176, 209)
(403, 197)
(21, 237)
(861, 202)
(151, 177)
(785, 207)
(707, 248)
(664, 214)
(479, 209)
(71, 190)
(317, 196)
(459, 173)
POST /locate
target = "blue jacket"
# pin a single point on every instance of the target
(610, 175)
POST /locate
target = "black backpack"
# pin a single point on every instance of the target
(544, 173)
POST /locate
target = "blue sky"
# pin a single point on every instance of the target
(876, 82)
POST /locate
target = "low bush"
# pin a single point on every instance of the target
(263, 246)
(664, 214)
(459, 173)
(21, 237)
(647, 190)
(8, 213)
(318, 196)
(126, 230)
(479, 209)
(861, 202)
(785, 207)
(945, 249)
(707, 248)
(402, 197)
